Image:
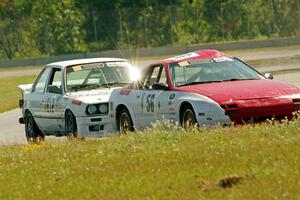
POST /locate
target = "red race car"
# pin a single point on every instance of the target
(203, 87)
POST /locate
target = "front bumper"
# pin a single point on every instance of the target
(95, 126)
(260, 110)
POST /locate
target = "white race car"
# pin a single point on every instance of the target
(72, 97)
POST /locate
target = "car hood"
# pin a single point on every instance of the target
(222, 92)
(92, 96)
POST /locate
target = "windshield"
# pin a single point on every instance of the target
(99, 75)
(210, 70)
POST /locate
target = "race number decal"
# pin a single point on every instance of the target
(150, 102)
(49, 105)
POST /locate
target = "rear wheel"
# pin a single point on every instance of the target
(188, 117)
(71, 126)
(33, 134)
(125, 122)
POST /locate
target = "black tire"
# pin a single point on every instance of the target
(70, 126)
(125, 122)
(188, 117)
(33, 134)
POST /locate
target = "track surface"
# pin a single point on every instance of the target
(268, 54)
(11, 132)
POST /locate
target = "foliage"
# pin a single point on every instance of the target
(9, 91)
(32, 28)
(167, 162)
(58, 27)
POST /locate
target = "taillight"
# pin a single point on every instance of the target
(21, 103)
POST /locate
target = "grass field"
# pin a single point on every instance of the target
(7, 69)
(250, 162)
(292, 60)
(9, 92)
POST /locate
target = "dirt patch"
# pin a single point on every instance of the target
(226, 182)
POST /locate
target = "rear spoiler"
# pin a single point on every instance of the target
(25, 87)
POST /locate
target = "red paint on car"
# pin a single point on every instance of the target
(242, 100)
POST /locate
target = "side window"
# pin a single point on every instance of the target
(41, 82)
(55, 79)
(158, 75)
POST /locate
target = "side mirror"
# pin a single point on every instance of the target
(153, 79)
(269, 76)
(54, 89)
(159, 86)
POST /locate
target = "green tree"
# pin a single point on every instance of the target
(58, 27)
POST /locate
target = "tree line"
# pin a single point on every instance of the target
(46, 27)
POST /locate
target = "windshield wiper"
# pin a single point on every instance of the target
(239, 79)
(119, 83)
(89, 86)
(200, 82)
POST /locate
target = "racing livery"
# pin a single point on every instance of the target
(204, 87)
(72, 97)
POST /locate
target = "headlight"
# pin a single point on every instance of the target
(91, 109)
(103, 108)
(97, 109)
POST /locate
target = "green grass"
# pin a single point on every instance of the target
(263, 49)
(7, 69)
(9, 92)
(261, 162)
(292, 60)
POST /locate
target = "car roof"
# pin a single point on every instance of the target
(66, 63)
(200, 54)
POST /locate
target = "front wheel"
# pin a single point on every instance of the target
(125, 122)
(71, 126)
(188, 117)
(33, 134)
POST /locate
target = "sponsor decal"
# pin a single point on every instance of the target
(76, 68)
(117, 64)
(124, 92)
(222, 59)
(172, 96)
(184, 56)
(200, 61)
(171, 109)
(93, 66)
(93, 94)
(184, 63)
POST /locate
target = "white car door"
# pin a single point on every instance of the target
(154, 104)
(54, 102)
(34, 99)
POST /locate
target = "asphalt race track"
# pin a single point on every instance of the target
(11, 132)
